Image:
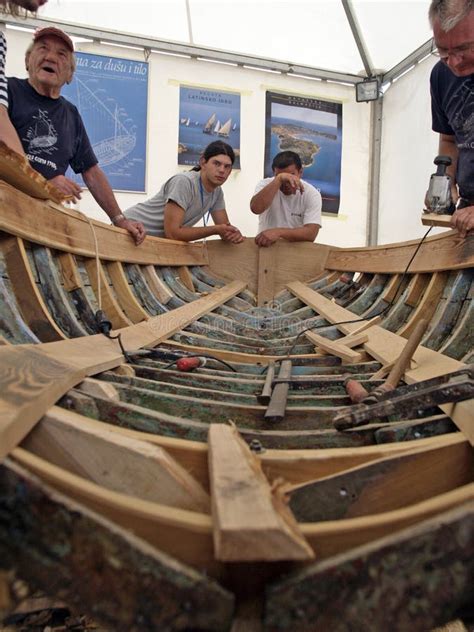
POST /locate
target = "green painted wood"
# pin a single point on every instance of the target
(414, 580)
(96, 567)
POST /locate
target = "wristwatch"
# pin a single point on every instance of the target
(117, 218)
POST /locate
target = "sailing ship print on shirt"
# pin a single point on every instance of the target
(42, 135)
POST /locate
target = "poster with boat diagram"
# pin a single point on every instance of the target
(207, 115)
(111, 95)
(313, 129)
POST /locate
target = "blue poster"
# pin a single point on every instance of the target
(313, 129)
(111, 95)
(206, 116)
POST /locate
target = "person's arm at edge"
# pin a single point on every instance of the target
(230, 233)
(173, 220)
(98, 184)
(308, 232)
(8, 133)
(462, 219)
(262, 200)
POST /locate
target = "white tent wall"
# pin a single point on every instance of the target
(409, 147)
(167, 72)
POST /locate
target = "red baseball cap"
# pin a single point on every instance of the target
(52, 30)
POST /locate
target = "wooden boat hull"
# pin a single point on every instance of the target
(151, 493)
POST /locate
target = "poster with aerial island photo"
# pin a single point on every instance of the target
(313, 129)
(205, 116)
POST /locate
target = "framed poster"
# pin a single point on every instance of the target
(206, 116)
(111, 95)
(313, 129)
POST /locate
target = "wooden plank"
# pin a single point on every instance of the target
(441, 252)
(160, 289)
(234, 356)
(17, 171)
(125, 296)
(229, 261)
(427, 305)
(28, 296)
(250, 521)
(99, 568)
(98, 388)
(392, 290)
(70, 272)
(33, 378)
(265, 275)
(415, 579)
(389, 483)
(386, 347)
(334, 347)
(435, 219)
(124, 464)
(277, 405)
(416, 289)
(69, 231)
(110, 304)
(186, 278)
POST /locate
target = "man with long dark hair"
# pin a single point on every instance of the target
(190, 196)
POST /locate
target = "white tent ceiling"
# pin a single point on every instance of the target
(313, 33)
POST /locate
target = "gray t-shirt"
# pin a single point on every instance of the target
(184, 189)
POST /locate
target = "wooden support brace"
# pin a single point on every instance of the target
(277, 404)
(347, 355)
(97, 388)
(266, 394)
(251, 521)
(186, 278)
(89, 449)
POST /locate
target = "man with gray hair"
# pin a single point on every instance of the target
(452, 99)
(50, 128)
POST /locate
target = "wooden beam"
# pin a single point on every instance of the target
(160, 289)
(107, 297)
(90, 449)
(334, 347)
(250, 521)
(441, 252)
(186, 278)
(33, 378)
(415, 579)
(17, 171)
(68, 230)
(27, 293)
(428, 303)
(73, 553)
(436, 219)
(126, 298)
(386, 347)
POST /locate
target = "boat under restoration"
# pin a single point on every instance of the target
(181, 449)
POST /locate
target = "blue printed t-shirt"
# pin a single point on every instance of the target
(51, 131)
(452, 106)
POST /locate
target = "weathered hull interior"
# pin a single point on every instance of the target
(126, 492)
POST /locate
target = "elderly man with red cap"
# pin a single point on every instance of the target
(51, 129)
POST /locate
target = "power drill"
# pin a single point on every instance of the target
(439, 199)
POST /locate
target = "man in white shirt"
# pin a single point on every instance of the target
(288, 208)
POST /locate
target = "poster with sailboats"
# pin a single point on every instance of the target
(111, 95)
(206, 115)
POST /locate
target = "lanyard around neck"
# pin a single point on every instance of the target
(201, 190)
